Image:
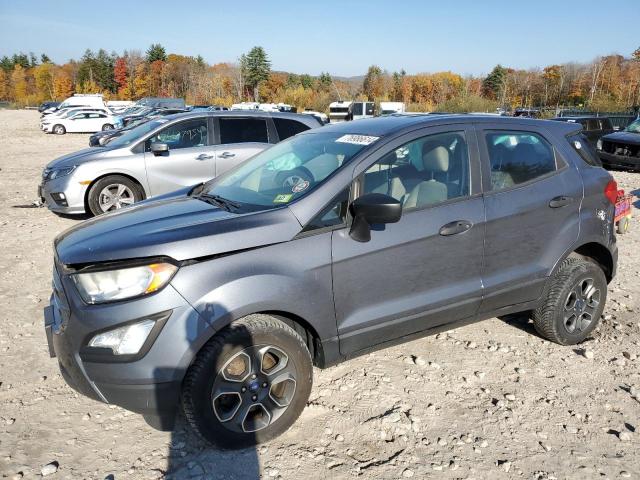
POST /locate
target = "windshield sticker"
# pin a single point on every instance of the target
(357, 139)
(284, 198)
(301, 186)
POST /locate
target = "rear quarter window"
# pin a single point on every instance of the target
(288, 128)
(584, 149)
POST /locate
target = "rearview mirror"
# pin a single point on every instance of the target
(371, 209)
(159, 148)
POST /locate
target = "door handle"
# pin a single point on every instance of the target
(561, 201)
(227, 155)
(455, 227)
(204, 156)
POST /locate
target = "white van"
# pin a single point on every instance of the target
(83, 100)
(389, 108)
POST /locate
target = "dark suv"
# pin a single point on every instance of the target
(621, 149)
(220, 298)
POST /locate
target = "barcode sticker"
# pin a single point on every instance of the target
(357, 139)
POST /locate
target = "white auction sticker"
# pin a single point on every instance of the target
(357, 139)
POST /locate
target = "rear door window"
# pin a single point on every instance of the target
(288, 128)
(518, 157)
(592, 124)
(243, 130)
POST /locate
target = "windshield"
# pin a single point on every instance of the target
(135, 133)
(634, 127)
(286, 171)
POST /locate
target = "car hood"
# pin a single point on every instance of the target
(83, 156)
(623, 137)
(182, 228)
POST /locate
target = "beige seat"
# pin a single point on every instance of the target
(322, 166)
(396, 189)
(427, 192)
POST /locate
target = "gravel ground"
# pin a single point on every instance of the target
(490, 400)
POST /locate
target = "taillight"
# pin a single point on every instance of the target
(611, 191)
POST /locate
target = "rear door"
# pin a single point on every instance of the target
(190, 159)
(240, 138)
(532, 201)
(425, 270)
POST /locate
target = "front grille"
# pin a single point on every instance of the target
(621, 149)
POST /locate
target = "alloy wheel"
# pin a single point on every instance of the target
(253, 388)
(581, 305)
(115, 196)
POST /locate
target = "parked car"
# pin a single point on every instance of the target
(47, 122)
(220, 298)
(103, 137)
(162, 102)
(160, 156)
(152, 113)
(322, 117)
(527, 113)
(621, 149)
(79, 122)
(46, 105)
(593, 127)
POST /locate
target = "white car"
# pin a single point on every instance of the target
(80, 122)
(69, 112)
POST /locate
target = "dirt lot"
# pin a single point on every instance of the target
(491, 400)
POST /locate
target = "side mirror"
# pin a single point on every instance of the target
(370, 209)
(159, 148)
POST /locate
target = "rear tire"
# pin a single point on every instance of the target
(59, 129)
(123, 190)
(574, 303)
(107, 126)
(248, 384)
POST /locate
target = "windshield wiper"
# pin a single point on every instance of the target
(218, 200)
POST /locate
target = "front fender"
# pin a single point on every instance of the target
(291, 277)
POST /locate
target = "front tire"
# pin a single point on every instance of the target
(574, 302)
(59, 129)
(248, 384)
(113, 193)
(107, 126)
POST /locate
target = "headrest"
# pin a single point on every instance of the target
(436, 159)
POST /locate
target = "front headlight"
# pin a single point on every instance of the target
(127, 340)
(599, 144)
(59, 172)
(110, 285)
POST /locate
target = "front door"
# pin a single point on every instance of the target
(532, 201)
(190, 159)
(240, 138)
(425, 270)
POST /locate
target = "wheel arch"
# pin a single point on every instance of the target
(598, 254)
(108, 174)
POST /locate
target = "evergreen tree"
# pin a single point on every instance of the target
(256, 68)
(156, 52)
(494, 82)
(44, 58)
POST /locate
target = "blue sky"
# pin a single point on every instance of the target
(341, 37)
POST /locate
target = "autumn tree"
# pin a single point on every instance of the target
(44, 78)
(19, 81)
(62, 87)
(5, 87)
(121, 73)
(373, 83)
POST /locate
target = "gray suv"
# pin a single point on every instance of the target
(160, 156)
(220, 298)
